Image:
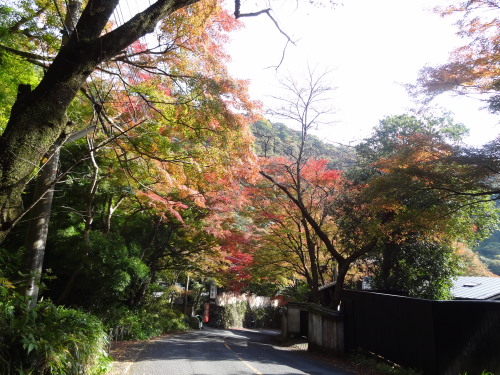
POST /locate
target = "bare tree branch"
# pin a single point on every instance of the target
(267, 11)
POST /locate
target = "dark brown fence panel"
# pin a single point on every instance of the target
(468, 336)
(436, 337)
(399, 329)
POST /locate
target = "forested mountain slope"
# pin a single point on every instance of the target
(277, 139)
(489, 252)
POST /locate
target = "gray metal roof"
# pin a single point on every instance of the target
(476, 287)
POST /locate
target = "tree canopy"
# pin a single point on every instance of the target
(159, 178)
(473, 67)
(404, 172)
(394, 195)
(102, 62)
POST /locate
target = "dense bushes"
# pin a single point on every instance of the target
(144, 323)
(233, 315)
(239, 314)
(49, 339)
(53, 339)
(267, 317)
(419, 267)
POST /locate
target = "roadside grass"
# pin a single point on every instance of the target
(357, 363)
(379, 365)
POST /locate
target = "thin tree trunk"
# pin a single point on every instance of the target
(36, 236)
(343, 267)
(313, 260)
(186, 296)
(388, 259)
(109, 213)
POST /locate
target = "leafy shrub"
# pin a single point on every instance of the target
(267, 317)
(174, 321)
(233, 315)
(295, 293)
(421, 268)
(238, 315)
(144, 323)
(369, 363)
(49, 339)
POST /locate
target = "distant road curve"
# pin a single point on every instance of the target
(219, 352)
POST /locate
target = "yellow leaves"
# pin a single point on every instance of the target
(4, 283)
(180, 119)
(199, 32)
(470, 261)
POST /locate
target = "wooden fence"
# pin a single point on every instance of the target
(435, 337)
(323, 328)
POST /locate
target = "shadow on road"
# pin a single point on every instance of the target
(258, 350)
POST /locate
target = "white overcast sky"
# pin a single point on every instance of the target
(372, 47)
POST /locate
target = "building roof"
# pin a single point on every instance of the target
(476, 287)
(327, 285)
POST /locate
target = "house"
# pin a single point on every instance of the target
(476, 288)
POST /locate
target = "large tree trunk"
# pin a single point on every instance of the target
(38, 228)
(38, 117)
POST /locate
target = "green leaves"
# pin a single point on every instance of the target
(50, 339)
(426, 193)
(420, 267)
(13, 71)
(29, 342)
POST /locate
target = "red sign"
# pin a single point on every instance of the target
(206, 312)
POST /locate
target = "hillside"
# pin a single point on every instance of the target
(277, 139)
(489, 252)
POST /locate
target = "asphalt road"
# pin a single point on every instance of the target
(221, 352)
